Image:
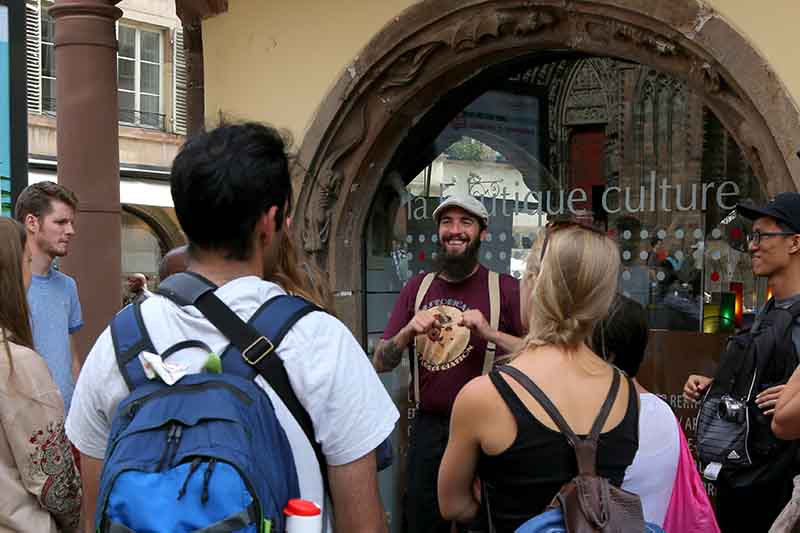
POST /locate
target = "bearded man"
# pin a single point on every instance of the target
(459, 318)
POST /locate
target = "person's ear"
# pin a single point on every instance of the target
(31, 223)
(483, 234)
(794, 247)
(268, 224)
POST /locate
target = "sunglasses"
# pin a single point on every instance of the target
(559, 224)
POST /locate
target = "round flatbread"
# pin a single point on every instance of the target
(450, 348)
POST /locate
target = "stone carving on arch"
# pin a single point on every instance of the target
(437, 45)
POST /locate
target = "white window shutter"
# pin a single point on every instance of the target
(33, 28)
(180, 84)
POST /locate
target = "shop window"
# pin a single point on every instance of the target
(623, 147)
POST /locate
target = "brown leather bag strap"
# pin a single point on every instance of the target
(543, 400)
(600, 421)
(585, 449)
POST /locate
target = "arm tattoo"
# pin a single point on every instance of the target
(389, 354)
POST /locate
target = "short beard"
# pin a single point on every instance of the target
(458, 267)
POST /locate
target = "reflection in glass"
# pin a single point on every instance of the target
(150, 46)
(616, 145)
(127, 42)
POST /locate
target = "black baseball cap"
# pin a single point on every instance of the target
(785, 207)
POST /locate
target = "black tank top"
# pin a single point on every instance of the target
(522, 480)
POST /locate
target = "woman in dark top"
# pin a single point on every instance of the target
(500, 434)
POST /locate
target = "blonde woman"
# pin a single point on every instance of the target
(500, 434)
(41, 488)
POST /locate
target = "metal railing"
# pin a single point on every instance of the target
(126, 117)
(143, 119)
(48, 105)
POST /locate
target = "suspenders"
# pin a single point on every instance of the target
(494, 322)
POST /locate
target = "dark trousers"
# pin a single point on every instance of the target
(751, 509)
(426, 447)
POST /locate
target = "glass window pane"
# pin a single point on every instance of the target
(48, 61)
(126, 72)
(48, 27)
(127, 41)
(683, 257)
(127, 106)
(150, 111)
(149, 46)
(48, 94)
(150, 78)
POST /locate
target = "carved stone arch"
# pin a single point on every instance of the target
(168, 233)
(438, 46)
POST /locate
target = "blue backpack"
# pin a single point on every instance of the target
(207, 454)
(552, 521)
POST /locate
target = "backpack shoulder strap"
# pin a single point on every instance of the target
(776, 354)
(494, 318)
(605, 410)
(539, 395)
(253, 343)
(585, 449)
(794, 309)
(130, 338)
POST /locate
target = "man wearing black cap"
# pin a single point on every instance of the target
(774, 246)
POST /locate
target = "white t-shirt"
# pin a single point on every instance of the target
(329, 372)
(652, 473)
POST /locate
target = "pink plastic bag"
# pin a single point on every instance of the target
(689, 509)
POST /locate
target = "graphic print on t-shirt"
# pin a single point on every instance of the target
(451, 347)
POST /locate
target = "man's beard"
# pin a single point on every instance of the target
(457, 267)
(52, 251)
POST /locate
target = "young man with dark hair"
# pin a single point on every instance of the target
(47, 210)
(231, 188)
(454, 317)
(774, 245)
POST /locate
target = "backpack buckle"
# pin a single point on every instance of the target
(261, 342)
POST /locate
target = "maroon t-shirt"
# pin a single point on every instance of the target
(447, 365)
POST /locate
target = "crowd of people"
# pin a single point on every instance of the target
(512, 381)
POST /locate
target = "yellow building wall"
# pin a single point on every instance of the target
(771, 28)
(276, 61)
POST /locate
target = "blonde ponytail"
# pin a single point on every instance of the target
(574, 288)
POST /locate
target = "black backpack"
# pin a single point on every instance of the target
(735, 442)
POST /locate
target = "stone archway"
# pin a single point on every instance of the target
(438, 45)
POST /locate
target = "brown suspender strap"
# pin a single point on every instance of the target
(585, 449)
(421, 292)
(494, 319)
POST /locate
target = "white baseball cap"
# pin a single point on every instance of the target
(470, 204)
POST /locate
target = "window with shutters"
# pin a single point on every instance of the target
(139, 77)
(33, 51)
(181, 80)
(140, 71)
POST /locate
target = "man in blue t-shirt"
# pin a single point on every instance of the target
(48, 212)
